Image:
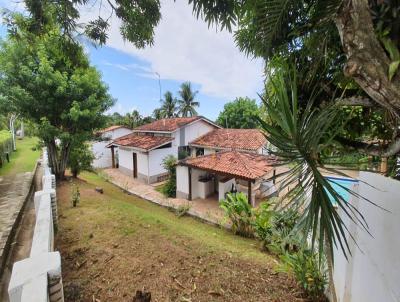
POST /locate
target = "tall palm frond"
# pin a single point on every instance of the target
(168, 108)
(187, 104)
(299, 136)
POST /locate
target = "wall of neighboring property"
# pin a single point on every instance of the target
(373, 270)
(102, 154)
(182, 182)
(114, 134)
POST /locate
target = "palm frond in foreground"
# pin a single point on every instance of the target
(299, 135)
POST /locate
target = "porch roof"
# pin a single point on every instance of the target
(144, 142)
(243, 165)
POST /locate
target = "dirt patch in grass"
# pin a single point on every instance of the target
(113, 244)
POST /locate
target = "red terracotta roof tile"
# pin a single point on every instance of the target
(239, 139)
(145, 142)
(244, 165)
(167, 124)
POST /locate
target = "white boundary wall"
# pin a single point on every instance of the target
(38, 278)
(373, 270)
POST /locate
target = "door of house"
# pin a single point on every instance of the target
(134, 165)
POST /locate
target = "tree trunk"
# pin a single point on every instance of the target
(58, 160)
(367, 61)
(329, 260)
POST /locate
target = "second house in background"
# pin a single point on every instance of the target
(141, 153)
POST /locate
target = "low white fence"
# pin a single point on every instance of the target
(372, 272)
(38, 278)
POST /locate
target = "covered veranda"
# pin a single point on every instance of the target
(212, 176)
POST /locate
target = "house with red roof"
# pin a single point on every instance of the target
(141, 153)
(246, 140)
(103, 157)
(227, 160)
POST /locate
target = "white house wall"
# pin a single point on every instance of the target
(373, 270)
(193, 131)
(156, 158)
(195, 182)
(102, 155)
(125, 160)
(143, 164)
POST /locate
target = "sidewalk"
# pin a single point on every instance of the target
(207, 210)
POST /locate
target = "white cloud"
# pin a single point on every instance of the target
(187, 50)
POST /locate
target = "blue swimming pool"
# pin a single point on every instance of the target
(338, 183)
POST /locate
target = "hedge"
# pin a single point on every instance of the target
(6, 145)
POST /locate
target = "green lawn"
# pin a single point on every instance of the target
(126, 206)
(115, 243)
(22, 160)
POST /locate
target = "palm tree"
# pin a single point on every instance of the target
(133, 120)
(299, 136)
(187, 103)
(157, 114)
(168, 108)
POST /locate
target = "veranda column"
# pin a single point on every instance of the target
(112, 156)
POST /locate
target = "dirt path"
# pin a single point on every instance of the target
(113, 244)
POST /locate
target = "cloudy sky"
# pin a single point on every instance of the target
(185, 49)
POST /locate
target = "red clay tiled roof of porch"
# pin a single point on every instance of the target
(244, 165)
(145, 142)
(167, 124)
(239, 139)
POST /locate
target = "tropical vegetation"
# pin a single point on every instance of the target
(168, 108)
(43, 69)
(186, 103)
(277, 231)
(241, 113)
(169, 164)
(6, 145)
(80, 159)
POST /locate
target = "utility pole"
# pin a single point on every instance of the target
(159, 83)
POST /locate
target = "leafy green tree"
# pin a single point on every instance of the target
(115, 119)
(48, 78)
(80, 159)
(168, 108)
(138, 18)
(241, 113)
(187, 103)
